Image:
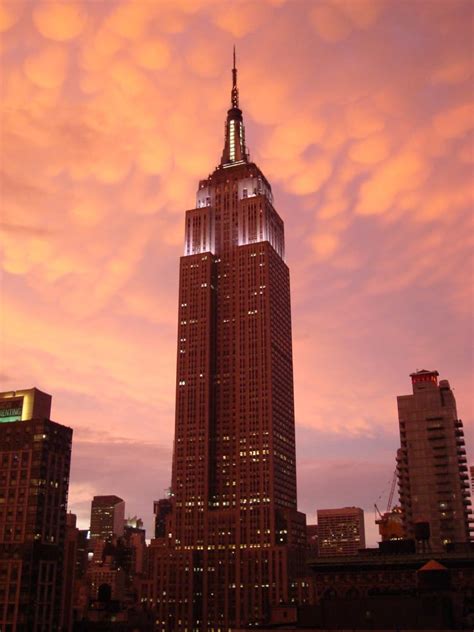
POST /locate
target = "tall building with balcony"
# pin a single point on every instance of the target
(341, 531)
(107, 517)
(234, 540)
(35, 455)
(432, 463)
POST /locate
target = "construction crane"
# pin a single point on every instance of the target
(390, 496)
(390, 523)
(392, 491)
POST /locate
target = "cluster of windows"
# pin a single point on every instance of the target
(14, 488)
(199, 235)
(10, 583)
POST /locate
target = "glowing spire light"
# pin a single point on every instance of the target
(235, 151)
(235, 91)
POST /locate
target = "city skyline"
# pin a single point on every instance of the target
(372, 299)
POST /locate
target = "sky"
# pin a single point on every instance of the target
(359, 113)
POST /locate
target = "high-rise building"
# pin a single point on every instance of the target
(161, 508)
(35, 455)
(341, 531)
(312, 539)
(432, 464)
(69, 572)
(107, 517)
(234, 541)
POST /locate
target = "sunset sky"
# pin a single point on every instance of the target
(359, 113)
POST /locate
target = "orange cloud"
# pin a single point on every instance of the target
(131, 19)
(456, 121)
(205, 58)
(404, 172)
(48, 67)
(60, 21)
(99, 48)
(454, 71)
(241, 18)
(324, 244)
(9, 15)
(152, 54)
(371, 150)
(363, 13)
(330, 23)
(362, 119)
(310, 177)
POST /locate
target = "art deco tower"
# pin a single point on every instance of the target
(234, 539)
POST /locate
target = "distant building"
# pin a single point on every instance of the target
(312, 539)
(82, 553)
(161, 509)
(432, 464)
(134, 523)
(107, 580)
(107, 517)
(134, 543)
(341, 531)
(35, 456)
(69, 571)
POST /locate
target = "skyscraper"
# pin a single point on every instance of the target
(35, 455)
(235, 541)
(432, 464)
(107, 517)
(341, 531)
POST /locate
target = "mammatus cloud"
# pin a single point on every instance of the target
(360, 115)
(60, 21)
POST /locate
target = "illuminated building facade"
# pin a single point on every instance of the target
(35, 455)
(341, 531)
(234, 543)
(432, 463)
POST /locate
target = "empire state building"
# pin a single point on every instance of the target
(233, 550)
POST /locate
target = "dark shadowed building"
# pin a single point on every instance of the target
(161, 508)
(312, 539)
(432, 464)
(35, 455)
(393, 587)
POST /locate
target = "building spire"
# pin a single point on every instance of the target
(234, 146)
(235, 90)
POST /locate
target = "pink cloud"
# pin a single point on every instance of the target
(359, 113)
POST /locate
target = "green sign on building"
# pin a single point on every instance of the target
(10, 410)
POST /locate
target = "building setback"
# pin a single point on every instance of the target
(35, 455)
(107, 517)
(341, 531)
(234, 541)
(432, 464)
